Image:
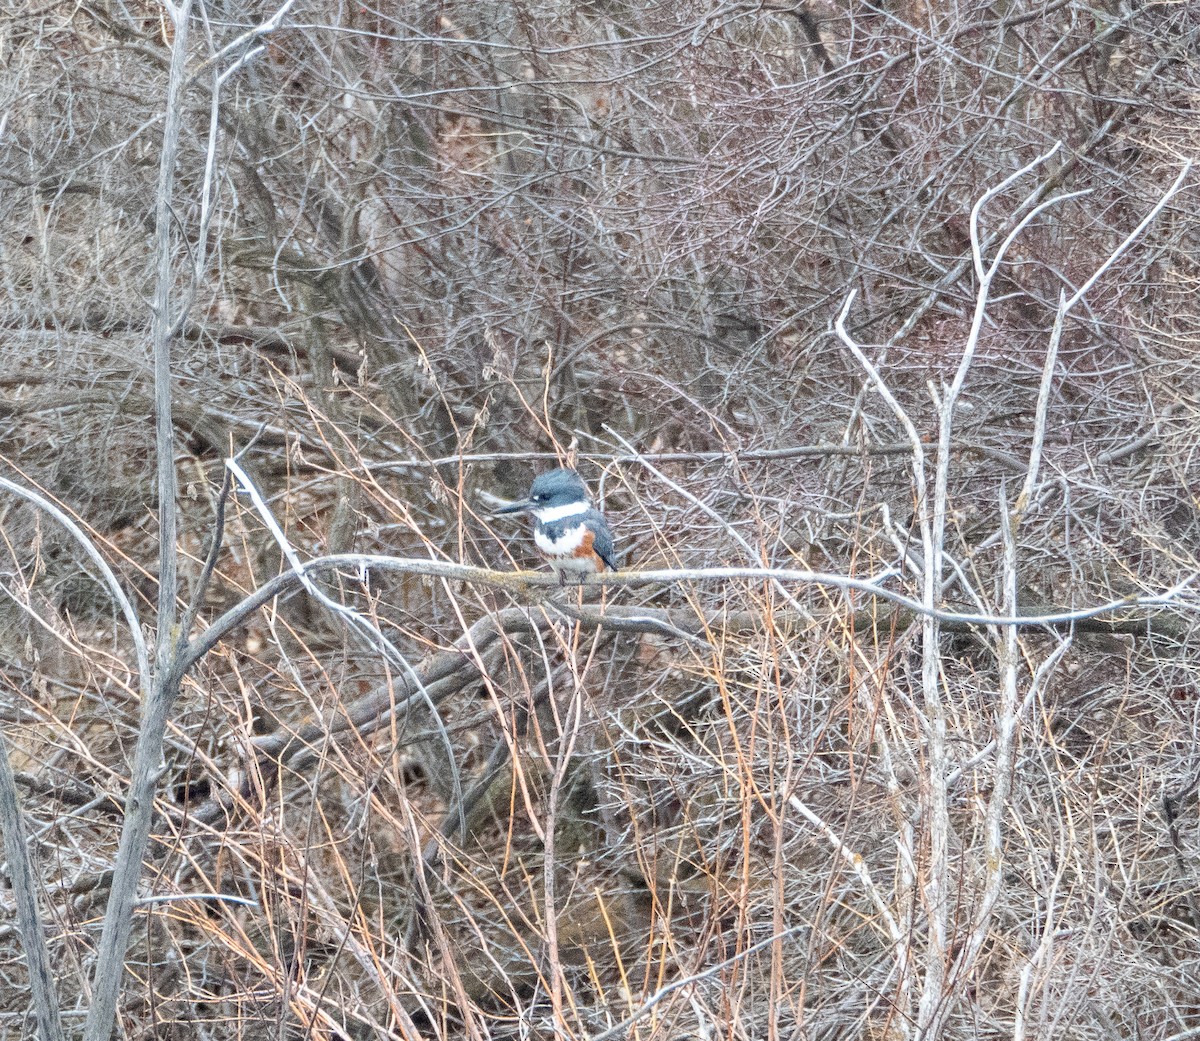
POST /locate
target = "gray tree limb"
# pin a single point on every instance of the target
(147, 759)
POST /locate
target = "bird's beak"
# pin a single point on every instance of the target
(520, 506)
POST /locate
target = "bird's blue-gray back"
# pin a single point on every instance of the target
(603, 544)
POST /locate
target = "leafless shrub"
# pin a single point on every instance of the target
(418, 254)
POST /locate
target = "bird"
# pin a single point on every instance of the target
(570, 532)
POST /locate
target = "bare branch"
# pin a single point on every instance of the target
(24, 888)
(109, 972)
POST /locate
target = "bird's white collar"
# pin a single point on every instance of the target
(550, 514)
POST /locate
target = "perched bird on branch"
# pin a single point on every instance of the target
(570, 532)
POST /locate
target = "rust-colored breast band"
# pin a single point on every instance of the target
(584, 549)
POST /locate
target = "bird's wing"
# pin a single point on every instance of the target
(603, 544)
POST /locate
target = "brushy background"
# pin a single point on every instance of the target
(451, 244)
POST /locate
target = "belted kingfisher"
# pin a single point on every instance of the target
(571, 533)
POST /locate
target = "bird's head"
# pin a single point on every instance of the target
(550, 490)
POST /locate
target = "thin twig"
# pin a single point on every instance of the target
(665, 992)
(141, 653)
